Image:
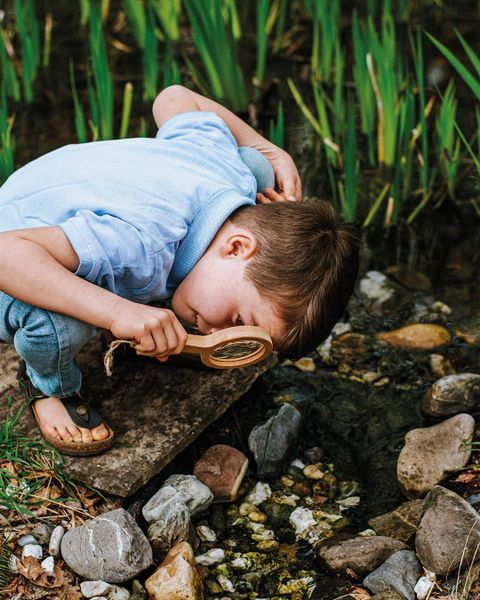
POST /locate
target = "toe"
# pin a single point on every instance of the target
(64, 434)
(75, 433)
(86, 435)
(100, 432)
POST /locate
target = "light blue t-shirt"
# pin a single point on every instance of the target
(138, 212)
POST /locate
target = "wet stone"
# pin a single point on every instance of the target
(412, 280)
(430, 454)
(419, 336)
(273, 441)
(358, 556)
(110, 547)
(453, 394)
(199, 496)
(381, 296)
(172, 526)
(401, 523)
(449, 532)
(400, 573)
(222, 468)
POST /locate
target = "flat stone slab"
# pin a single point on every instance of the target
(155, 409)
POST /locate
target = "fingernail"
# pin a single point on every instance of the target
(291, 198)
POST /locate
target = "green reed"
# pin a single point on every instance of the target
(214, 38)
(277, 128)
(325, 15)
(8, 77)
(80, 126)
(448, 142)
(168, 13)
(7, 142)
(27, 30)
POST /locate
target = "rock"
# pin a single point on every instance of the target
(258, 494)
(306, 363)
(388, 595)
(199, 496)
(448, 534)
(176, 578)
(26, 539)
(150, 428)
(272, 442)
(55, 540)
(138, 591)
(213, 556)
(423, 586)
(358, 556)
(206, 534)
(400, 572)
(440, 365)
(34, 550)
(302, 520)
(118, 593)
(95, 588)
(222, 468)
(412, 280)
(110, 547)
(419, 336)
(453, 394)
(48, 565)
(154, 509)
(431, 453)
(401, 523)
(42, 532)
(382, 297)
(172, 526)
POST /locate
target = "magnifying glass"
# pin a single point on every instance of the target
(225, 349)
(230, 348)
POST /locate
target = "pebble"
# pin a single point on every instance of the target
(257, 516)
(222, 469)
(306, 364)
(419, 336)
(423, 586)
(206, 534)
(382, 296)
(118, 593)
(302, 519)
(48, 566)
(259, 493)
(297, 463)
(32, 550)
(55, 540)
(453, 394)
(98, 587)
(26, 539)
(172, 526)
(246, 508)
(313, 472)
(263, 535)
(211, 557)
(225, 583)
(268, 545)
(440, 366)
(42, 532)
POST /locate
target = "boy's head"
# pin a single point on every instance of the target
(288, 267)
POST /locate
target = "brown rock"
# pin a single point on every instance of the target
(222, 468)
(412, 280)
(401, 523)
(453, 394)
(431, 453)
(176, 578)
(358, 556)
(419, 336)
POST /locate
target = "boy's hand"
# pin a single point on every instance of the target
(157, 331)
(287, 179)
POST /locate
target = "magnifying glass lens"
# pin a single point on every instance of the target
(236, 350)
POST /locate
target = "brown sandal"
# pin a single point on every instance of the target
(79, 411)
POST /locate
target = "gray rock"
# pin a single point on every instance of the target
(138, 591)
(430, 454)
(400, 523)
(400, 573)
(42, 532)
(381, 296)
(55, 540)
(453, 394)
(172, 526)
(199, 496)
(154, 508)
(449, 532)
(271, 442)
(95, 588)
(110, 547)
(358, 556)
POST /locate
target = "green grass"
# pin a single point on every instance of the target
(7, 141)
(27, 30)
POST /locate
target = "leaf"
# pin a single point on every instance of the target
(359, 593)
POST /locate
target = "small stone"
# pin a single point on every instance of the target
(305, 364)
(222, 468)
(286, 481)
(302, 519)
(90, 589)
(259, 493)
(419, 336)
(412, 280)
(423, 587)
(257, 516)
(26, 539)
(42, 532)
(172, 526)
(268, 545)
(176, 578)
(441, 366)
(400, 572)
(246, 508)
(301, 489)
(32, 550)
(453, 394)
(401, 523)
(206, 534)
(448, 536)
(430, 454)
(225, 583)
(55, 540)
(48, 565)
(382, 296)
(211, 557)
(138, 591)
(110, 547)
(313, 472)
(118, 593)
(271, 442)
(297, 463)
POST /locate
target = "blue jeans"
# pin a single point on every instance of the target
(49, 341)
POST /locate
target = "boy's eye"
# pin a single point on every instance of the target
(239, 321)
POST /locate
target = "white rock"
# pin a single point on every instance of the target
(55, 539)
(302, 519)
(423, 587)
(12, 564)
(98, 587)
(32, 550)
(367, 533)
(263, 536)
(297, 463)
(225, 583)
(118, 593)
(288, 499)
(441, 307)
(206, 534)
(240, 563)
(26, 539)
(349, 502)
(98, 598)
(259, 494)
(211, 557)
(47, 565)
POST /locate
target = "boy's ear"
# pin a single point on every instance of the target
(242, 244)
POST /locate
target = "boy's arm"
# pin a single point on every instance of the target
(36, 267)
(177, 99)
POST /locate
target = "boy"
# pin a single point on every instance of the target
(92, 232)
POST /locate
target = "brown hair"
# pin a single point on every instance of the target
(306, 265)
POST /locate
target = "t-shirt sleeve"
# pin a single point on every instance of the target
(202, 128)
(113, 253)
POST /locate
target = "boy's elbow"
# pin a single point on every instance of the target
(173, 100)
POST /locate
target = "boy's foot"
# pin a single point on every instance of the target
(55, 421)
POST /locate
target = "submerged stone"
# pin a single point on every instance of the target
(453, 394)
(419, 336)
